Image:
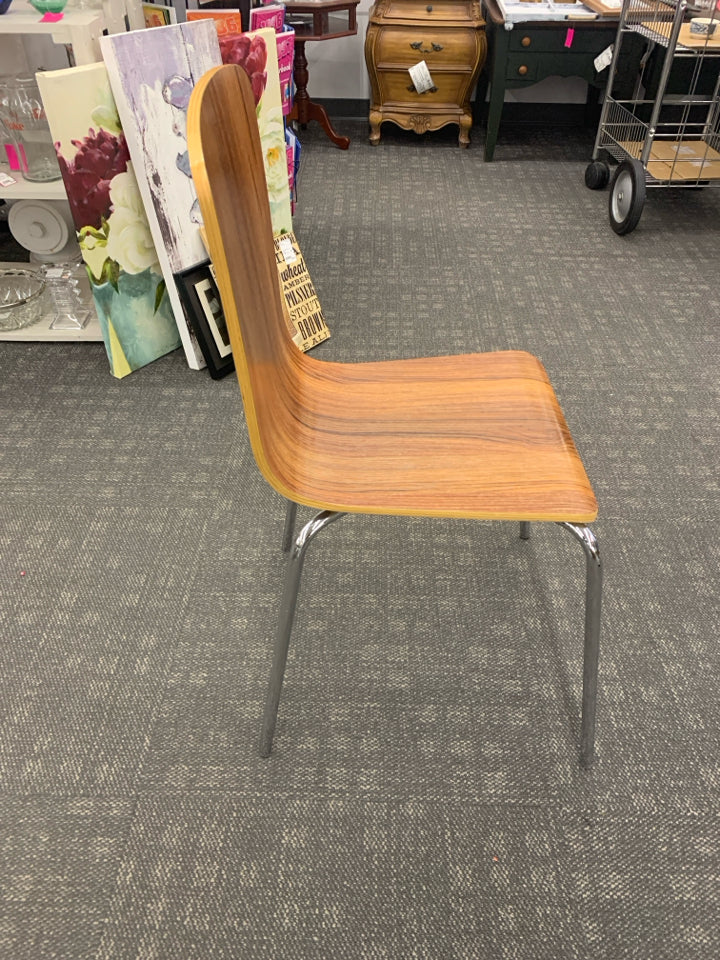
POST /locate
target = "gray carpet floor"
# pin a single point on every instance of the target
(424, 799)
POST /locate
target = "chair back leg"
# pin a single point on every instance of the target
(593, 604)
(287, 615)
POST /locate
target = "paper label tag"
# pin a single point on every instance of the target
(6, 180)
(303, 312)
(604, 59)
(287, 249)
(420, 76)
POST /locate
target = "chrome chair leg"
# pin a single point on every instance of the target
(524, 529)
(290, 514)
(593, 603)
(287, 615)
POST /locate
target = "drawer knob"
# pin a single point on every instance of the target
(429, 8)
(526, 41)
(522, 70)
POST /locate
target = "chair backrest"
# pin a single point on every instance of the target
(229, 174)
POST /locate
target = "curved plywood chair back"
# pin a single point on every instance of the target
(229, 175)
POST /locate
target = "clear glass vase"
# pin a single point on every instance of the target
(23, 115)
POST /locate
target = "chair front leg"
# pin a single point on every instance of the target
(287, 615)
(593, 604)
(290, 514)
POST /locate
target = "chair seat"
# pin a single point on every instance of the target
(476, 435)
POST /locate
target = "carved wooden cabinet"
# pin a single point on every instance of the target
(449, 35)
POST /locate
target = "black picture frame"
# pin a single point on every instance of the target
(203, 307)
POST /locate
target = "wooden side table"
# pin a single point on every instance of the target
(449, 35)
(317, 20)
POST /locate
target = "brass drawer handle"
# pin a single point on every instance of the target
(526, 41)
(522, 70)
(433, 48)
(411, 88)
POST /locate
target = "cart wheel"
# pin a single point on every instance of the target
(627, 196)
(597, 175)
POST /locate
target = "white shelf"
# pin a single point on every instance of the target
(40, 331)
(26, 190)
(24, 18)
(80, 28)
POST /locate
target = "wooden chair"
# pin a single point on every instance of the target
(478, 436)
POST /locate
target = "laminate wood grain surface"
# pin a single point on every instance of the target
(476, 435)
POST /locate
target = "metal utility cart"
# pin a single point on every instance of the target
(668, 134)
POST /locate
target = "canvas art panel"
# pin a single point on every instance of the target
(152, 74)
(257, 53)
(127, 284)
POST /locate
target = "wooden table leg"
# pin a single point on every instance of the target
(497, 90)
(304, 109)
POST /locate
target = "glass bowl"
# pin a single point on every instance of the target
(21, 298)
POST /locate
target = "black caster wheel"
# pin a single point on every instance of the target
(627, 196)
(597, 175)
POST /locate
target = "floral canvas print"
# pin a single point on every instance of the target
(130, 294)
(257, 53)
(152, 74)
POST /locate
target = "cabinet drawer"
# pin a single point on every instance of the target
(522, 67)
(451, 88)
(429, 11)
(437, 47)
(552, 40)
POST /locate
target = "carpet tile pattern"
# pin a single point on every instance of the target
(424, 800)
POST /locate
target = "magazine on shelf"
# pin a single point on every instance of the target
(271, 15)
(226, 21)
(158, 15)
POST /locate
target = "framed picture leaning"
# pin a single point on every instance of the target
(199, 294)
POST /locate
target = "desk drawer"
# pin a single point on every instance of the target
(404, 46)
(522, 67)
(552, 40)
(531, 68)
(428, 11)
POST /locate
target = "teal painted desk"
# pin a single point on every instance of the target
(532, 51)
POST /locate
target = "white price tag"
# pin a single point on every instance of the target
(420, 76)
(287, 250)
(6, 180)
(604, 59)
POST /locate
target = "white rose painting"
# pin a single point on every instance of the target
(129, 239)
(256, 53)
(128, 288)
